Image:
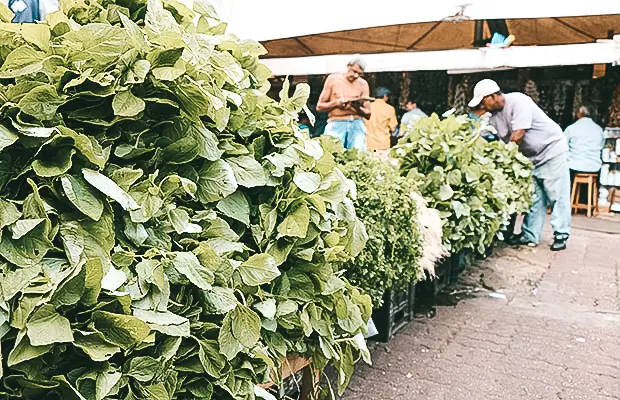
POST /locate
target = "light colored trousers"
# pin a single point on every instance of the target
(551, 188)
(352, 132)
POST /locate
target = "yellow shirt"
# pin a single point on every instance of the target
(380, 125)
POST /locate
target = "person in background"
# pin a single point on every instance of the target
(382, 124)
(413, 113)
(585, 144)
(518, 119)
(305, 124)
(26, 11)
(487, 132)
(345, 97)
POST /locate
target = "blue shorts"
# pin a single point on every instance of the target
(352, 133)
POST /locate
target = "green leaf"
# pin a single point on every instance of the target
(78, 192)
(37, 34)
(165, 322)
(143, 369)
(95, 345)
(181, 222)
(108, 187)
(9, 214)
(245, 326)
(84, 238)
(296, 223)
(216, 181)
(24, 351)
(125, 104)
(7, 137)
(125, 177)
(212, 361)
(454, 177)
(41, 102)
(219, 300)
(17, 280)
(445, 192)
(200, 388)
(188, 265)
(24, 60)
(46, 326)
(258, 270)
(58, 165)
(24, 226)
(124, 331)
(28, 249)
(70, 291)
(206, 140)
(267, 308)
(236, 206)
(138, 71)
(229, 345)
(307, 181)
(299, 98)
(248, 172)
(88, 147)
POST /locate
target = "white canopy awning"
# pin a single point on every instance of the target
(278, 19)
(459, 59)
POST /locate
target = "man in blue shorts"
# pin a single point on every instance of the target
(345, 97)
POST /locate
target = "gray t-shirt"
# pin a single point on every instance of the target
(543, 139)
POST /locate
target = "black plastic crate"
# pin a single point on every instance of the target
(428, 289)
(395, 313)
(458, 265)
(443, 272)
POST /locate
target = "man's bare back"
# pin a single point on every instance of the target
(339, 94)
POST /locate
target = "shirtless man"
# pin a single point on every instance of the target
(346, 97)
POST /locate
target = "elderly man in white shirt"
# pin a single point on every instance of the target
(585, 144)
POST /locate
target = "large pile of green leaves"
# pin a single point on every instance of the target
(475, 185)
(166, 233)
(385, 204)
(517, 169)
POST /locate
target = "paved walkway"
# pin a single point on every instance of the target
(556, 335)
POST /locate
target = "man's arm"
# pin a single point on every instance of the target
(324, 104)
(364, 109)
(517, 136)
(393, 121)
(521, 119)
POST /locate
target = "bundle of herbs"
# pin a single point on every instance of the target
(166, 232)
(474, 184)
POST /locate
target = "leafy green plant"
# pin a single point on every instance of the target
(385, 204)
(518, 172)
(166, 232)
(475, 185)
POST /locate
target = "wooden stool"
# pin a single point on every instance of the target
(592, 206)
(614, 197)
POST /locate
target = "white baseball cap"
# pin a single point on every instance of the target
(484, 88)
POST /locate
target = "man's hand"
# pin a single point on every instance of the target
(517, 136)
(361, 106)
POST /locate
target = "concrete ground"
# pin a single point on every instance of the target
(555, 335)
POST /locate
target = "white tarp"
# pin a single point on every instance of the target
(275, 19)
(459, 59)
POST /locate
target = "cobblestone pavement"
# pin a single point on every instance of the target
(555, 336)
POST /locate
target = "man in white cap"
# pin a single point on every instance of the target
(518, 119)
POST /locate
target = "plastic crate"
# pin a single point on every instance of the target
(458, 265)
(443, 271)
(395, 313)
(428, 289)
